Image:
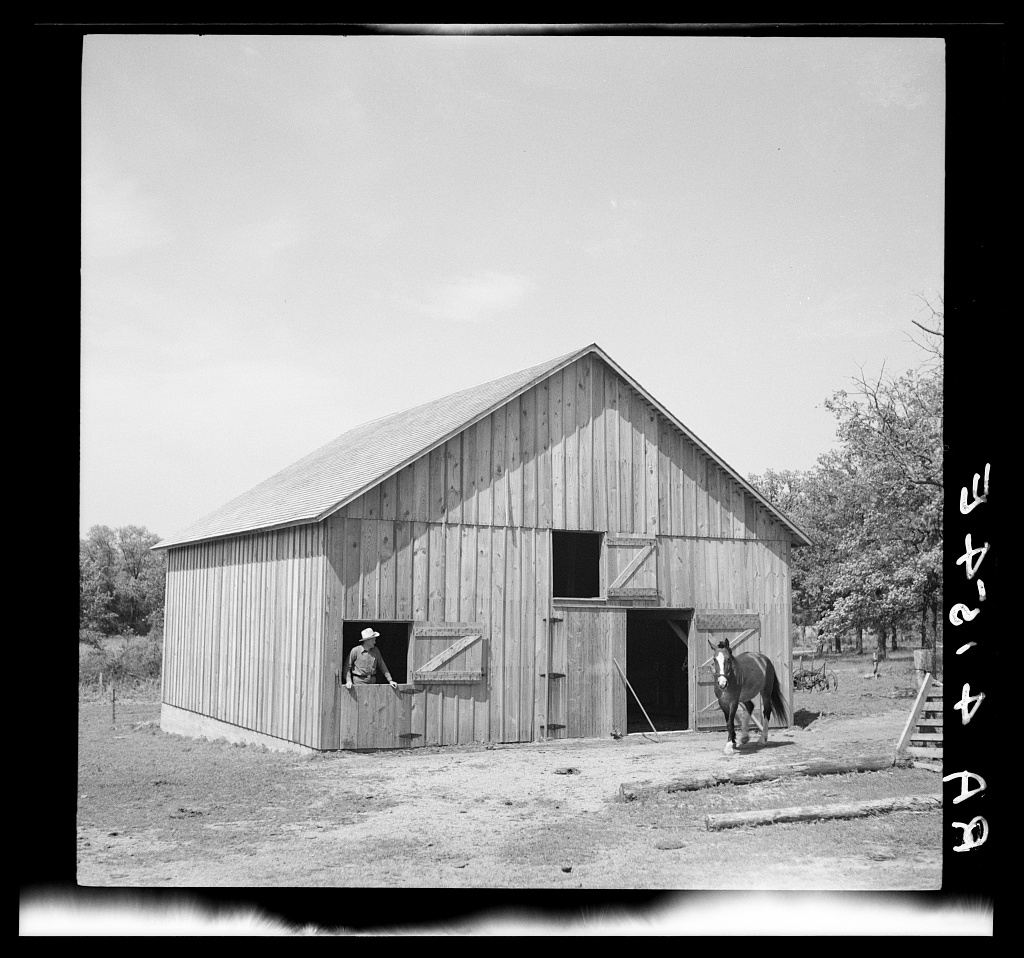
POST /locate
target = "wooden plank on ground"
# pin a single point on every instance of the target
(746, 776)
(810, 813)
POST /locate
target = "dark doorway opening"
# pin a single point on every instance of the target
(657, 668)
(393, 645)
(576, 564)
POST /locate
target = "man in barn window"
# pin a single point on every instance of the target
(364, 660)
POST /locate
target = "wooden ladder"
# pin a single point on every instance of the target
(921, 740)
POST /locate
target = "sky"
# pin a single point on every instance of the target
(284, 237)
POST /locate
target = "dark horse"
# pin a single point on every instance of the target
(740, 679)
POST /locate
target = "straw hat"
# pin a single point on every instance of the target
(368, 634)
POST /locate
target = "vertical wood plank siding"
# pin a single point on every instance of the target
(243, 631)
(253, 625)
(580, 451)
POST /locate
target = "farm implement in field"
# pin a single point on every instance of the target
(821, 679)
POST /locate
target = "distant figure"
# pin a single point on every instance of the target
(874, 662)
(364, 660)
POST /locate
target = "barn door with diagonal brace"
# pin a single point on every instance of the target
(448, 663)
(743, 630)
(631, 567)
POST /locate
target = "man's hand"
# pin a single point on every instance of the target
(393, 683)
(348, 684)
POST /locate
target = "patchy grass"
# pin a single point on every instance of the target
(859, 692)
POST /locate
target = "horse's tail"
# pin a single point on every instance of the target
(778, 703)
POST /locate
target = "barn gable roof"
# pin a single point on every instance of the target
(340, 471)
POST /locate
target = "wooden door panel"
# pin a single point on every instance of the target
(743, 630)
(377, 716)
(590, 699)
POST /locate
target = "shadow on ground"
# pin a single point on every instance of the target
(802, 717)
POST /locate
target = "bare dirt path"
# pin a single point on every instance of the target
(158, 810)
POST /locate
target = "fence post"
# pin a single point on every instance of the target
(923, 659)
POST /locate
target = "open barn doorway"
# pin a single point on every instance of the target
(657, 669)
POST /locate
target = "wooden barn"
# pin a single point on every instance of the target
(523, 548)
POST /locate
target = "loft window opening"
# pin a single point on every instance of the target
(576, 564)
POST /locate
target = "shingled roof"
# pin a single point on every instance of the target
(340, 471)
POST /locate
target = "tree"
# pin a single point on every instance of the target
(873, 506)
(121, 581)
(893, 428)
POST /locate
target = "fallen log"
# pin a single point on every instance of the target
(809, 813)
(764, 773)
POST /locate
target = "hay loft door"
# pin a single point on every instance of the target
(631, 567)
(743, 630)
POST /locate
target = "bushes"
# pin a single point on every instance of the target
(91, 638)
(123, 660)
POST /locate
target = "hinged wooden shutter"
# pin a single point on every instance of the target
(631, 567)
(448, 652)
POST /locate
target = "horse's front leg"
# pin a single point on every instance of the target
(730, 724)
(746, 710)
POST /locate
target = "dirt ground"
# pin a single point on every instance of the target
(162, 811)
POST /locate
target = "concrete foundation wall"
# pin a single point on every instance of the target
(178, 721)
